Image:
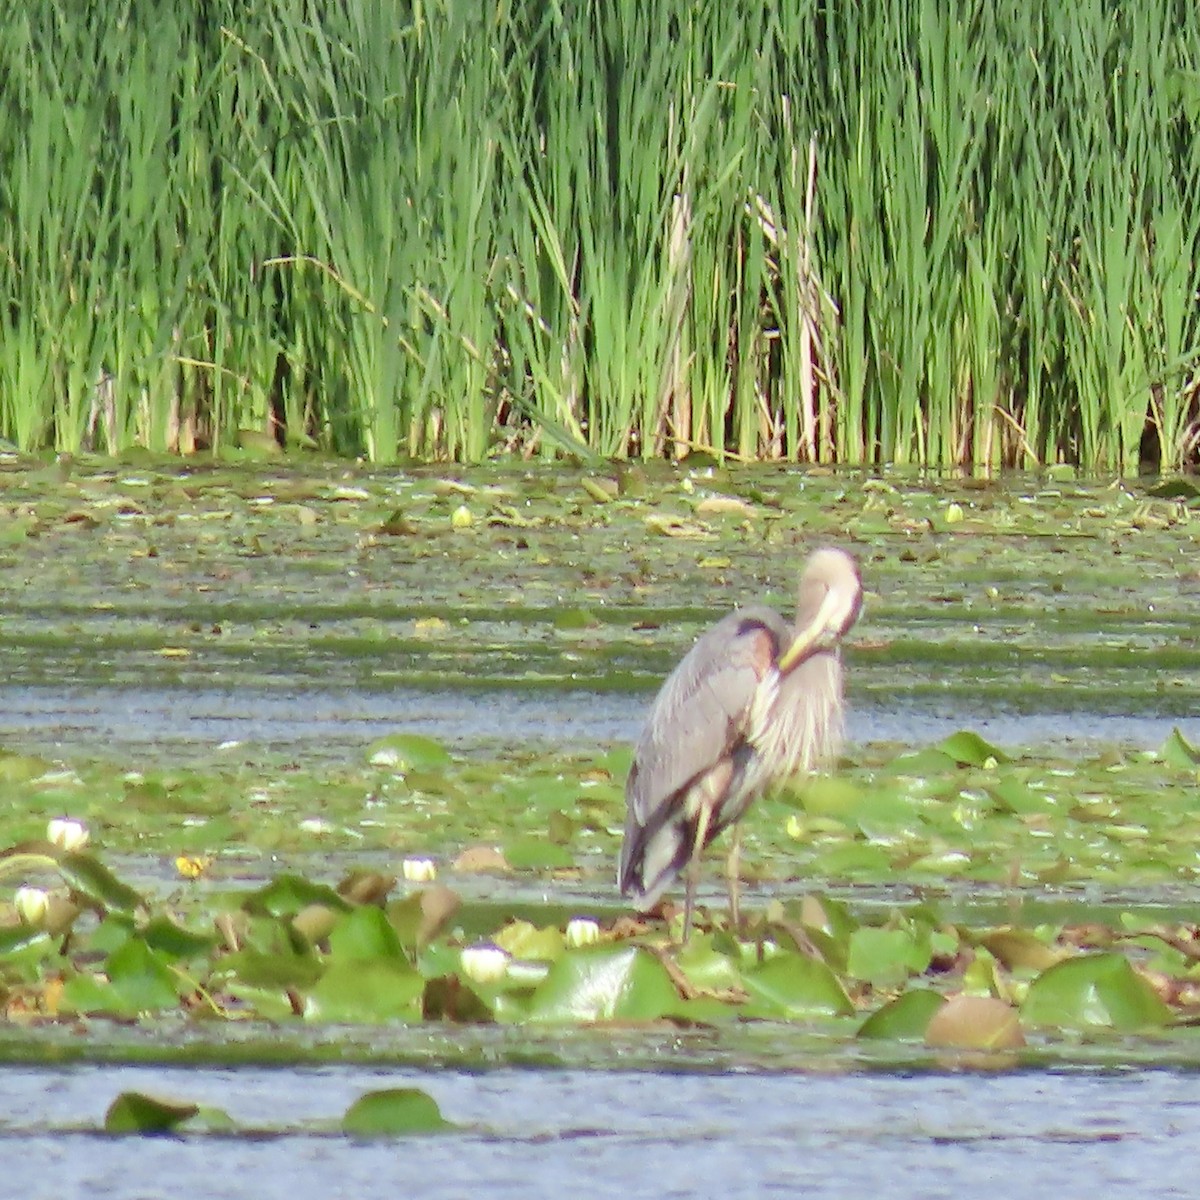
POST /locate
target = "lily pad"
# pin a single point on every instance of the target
(605, 983)
(408, 752)
(138, 1112)
(366, 991)
(975, 1023)
(968, 749)
(1094, 990)
(1177, 751)
(793, 985)
(394, 1112)
(88, 876)
(904, 1019)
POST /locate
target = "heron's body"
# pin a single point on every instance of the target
(752, 702)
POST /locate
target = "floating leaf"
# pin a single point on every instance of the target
(828, 796)
(315, 922)
(717, 505)
(536, 854)
(271, 972)
(20, 768)
(137, 1112)
(88, 876)
(393, 1113)
(794, 985)
(569, 620)
(904, 1019)
(364, 933)
(286, 895)
(885, 957)
(140, 978)
(1094, 990)
(1011, 795)
(975, 1023)
(605, 983)
(408, 752)
(365, 991)
(968, 749)
(523, 939)
(600, 490)
(1177, 751)
(165, 935)
(706, 967)
(1020, 949)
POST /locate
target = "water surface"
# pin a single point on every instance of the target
(1070, 1134)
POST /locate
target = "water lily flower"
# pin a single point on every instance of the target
(484, 963)
(419, 870)
(32, 904)
(582, 931)
(462, 517)
(67, 834)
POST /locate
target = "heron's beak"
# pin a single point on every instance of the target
(809, 638)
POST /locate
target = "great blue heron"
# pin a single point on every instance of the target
(752, 702)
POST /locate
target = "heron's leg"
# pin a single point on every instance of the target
(731, 868)
(703, 817)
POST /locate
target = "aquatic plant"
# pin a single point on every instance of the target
(905, 232)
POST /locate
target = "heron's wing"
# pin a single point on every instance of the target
(702, 710)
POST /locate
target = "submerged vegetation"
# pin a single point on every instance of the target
(903, 232)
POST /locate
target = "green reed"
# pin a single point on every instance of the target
(950, 235)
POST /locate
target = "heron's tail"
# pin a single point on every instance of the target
(652, 856)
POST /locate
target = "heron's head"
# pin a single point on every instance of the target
(829, 603)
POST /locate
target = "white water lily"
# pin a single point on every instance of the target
(484, 963)
(419, 870)
(32, 904)
(67, 834)
(582, 931)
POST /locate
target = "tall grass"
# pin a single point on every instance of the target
(958, 234)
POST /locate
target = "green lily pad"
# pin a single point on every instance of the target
(605, 983)
(537, 854)
(1094, 990)
(885, 957)
(20, 768)
(366, 991)
(137, 1112)
(167, 936)
(274, 972)
(571, 620)
(968, 749)
(286, 895)
(793, 985)
(88, 876)
(405, 752)
(1177, 751)
(904, 1019)
(394, 1112)
(364, 933)
(140, 977)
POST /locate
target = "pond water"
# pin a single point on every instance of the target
(1067, 1134)
(313, 723)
